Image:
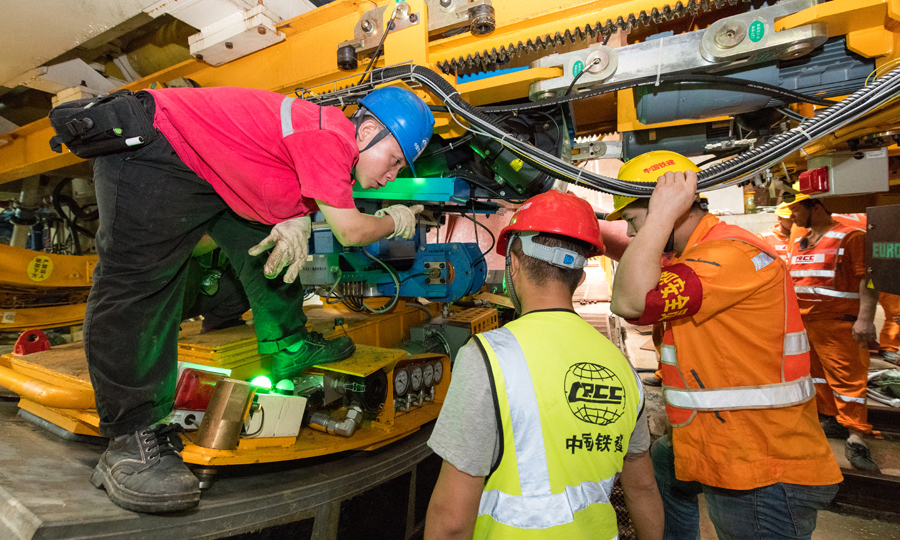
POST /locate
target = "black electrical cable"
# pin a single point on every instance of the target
(783, 94)
(839, 114)
(580, 73)
(452, 145)
(475, 178)
(387, 30)
(792, 115)
(720, 156)
(493, 238)
(77, 211)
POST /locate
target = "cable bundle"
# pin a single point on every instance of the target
(725, 174)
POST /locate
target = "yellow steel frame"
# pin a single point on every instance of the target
(38, 270)
(68, 401)
(307, 56)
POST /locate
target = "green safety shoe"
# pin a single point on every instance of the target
(314, 350)
(860, 458)
(144, 472)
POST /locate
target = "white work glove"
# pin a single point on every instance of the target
(404, 219)
(291, 241)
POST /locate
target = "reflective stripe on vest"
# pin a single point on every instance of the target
(824, 291)
(537, 507)
(812, 273)
(287, 124)
(813, 270)
(767, 396)
(742, 397)
(780, 244)
(794, 387)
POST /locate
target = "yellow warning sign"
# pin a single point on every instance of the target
(870, 285)
(40, 268)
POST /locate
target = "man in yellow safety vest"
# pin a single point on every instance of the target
(543, 414)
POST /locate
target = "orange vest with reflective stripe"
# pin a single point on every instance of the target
(857, 221)
(777, 241)
(813, 269)
(794, 387)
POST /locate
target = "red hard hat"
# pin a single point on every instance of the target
(559, 213)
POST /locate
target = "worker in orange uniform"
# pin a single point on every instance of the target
(778, 236)
(828, 269)
(735, 365)
(889, 340)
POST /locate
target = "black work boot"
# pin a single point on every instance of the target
(832, 428)
(143, 472)
(313, 350)
(860, 458)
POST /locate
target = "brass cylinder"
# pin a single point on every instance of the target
(224, 418)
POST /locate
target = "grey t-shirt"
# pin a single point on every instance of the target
(466, 433)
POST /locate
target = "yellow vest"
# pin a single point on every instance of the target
(567, 403)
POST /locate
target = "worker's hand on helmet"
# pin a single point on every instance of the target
(404, 219)
(291, 242)
(674, 194)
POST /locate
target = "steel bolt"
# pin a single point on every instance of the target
(229, 45)
(413, 18)
(261, 30)
(446, 3)
(730, 35)
(366, 26)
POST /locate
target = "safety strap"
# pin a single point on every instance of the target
(557, 256)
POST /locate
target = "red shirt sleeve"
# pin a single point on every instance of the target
(324, 162)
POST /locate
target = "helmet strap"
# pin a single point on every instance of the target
(358, 118)
(510, 288)
(557, 256)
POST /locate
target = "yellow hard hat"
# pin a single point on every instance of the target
(647, 168)
(783, 210)
(797, 196)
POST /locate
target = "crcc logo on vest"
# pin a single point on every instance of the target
(594, 393)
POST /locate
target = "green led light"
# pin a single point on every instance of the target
(262, 381)
(285, 385)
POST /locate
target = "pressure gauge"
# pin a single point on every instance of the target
(438, 372)
(401, 382)
(428, 375)
(415, 379)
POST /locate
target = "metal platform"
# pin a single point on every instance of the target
(45, 494)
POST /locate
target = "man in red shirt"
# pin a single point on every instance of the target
(247, 167)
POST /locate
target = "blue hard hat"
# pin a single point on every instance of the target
(405, 115)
